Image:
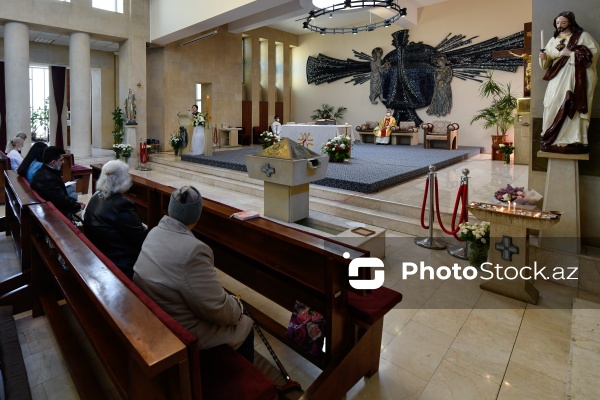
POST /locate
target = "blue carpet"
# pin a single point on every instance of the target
(372, 168)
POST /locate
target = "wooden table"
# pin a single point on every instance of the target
(228, 137)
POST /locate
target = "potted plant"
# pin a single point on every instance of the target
(176, 142)
(327, 112)
(338, 148)
(478, 236)
(501, 112)
(268, 139)
(40, 119)
(119, 120)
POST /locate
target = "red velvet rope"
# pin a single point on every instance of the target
(465, 190)
(424, 202)
(459, 197)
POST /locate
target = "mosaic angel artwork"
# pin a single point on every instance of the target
(417, 75)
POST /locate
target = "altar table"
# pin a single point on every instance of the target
(314, 137)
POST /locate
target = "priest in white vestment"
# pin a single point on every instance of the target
(570, 58)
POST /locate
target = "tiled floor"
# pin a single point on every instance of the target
(447, 340)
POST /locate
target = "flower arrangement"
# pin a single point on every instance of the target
(176, 141)
(268, 139)
(509, 193)
(475, 232)
(199, 119)
(123, 149)
(507, 148)
(338, 148)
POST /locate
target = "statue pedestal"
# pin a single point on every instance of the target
(508, 248)
(562, 193)
(132, 139)
(522, 154)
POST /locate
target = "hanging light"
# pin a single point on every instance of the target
(329, 7)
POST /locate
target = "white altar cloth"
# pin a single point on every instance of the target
(314, 137)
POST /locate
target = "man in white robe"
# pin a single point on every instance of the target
(570, 58)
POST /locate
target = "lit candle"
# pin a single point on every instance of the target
(543, 44)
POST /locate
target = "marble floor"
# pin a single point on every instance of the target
(446, 340)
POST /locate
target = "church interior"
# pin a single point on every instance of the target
(83, 331)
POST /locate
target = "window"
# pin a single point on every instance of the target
(109, 5)
(199, 96)
(38, 101)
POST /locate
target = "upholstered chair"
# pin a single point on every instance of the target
(440, 131)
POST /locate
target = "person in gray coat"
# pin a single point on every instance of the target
(177, 271)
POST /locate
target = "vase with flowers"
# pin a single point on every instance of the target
(268, 139)
(176, 141)
(478, 236)
(509, 193)
(507, 148)
(338, 148)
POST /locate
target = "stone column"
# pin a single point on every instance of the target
(80, 87)
(287, 83)
(16, 80)
(272, 81)
(255, 90)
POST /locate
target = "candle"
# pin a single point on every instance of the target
(509, 205)
(543, 44)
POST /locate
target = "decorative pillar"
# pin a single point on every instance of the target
(561, 193)
(255, 89)
(272, 80)
(16, 78)
(287, 83)
(80, 87)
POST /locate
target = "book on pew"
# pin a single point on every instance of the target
(245, 215)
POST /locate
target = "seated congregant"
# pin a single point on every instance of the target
(48, 182)
(13, 152)
(111, 222)
(32, 161)
(383, 131)
(177, 271)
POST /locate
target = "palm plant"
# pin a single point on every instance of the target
(327, 112)
(501, 112)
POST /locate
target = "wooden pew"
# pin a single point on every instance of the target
(4, 166)
(142, 357)
(109, 306)
(296, 266)
(76, 172)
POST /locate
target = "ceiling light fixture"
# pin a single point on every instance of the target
(206, 35)
(399, 12)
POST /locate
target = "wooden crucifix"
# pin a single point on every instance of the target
(523, 53)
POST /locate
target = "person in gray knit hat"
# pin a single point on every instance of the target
(177, 271)
(185, 205)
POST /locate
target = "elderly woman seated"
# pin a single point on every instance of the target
(111, 221)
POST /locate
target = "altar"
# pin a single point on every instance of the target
(314, 137)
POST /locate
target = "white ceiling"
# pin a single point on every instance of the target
(287, 16)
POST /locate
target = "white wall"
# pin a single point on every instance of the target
(467, 17)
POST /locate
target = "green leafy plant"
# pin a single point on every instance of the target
(328, 112)
(40, 118)
(501, 112)
(119, 120)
